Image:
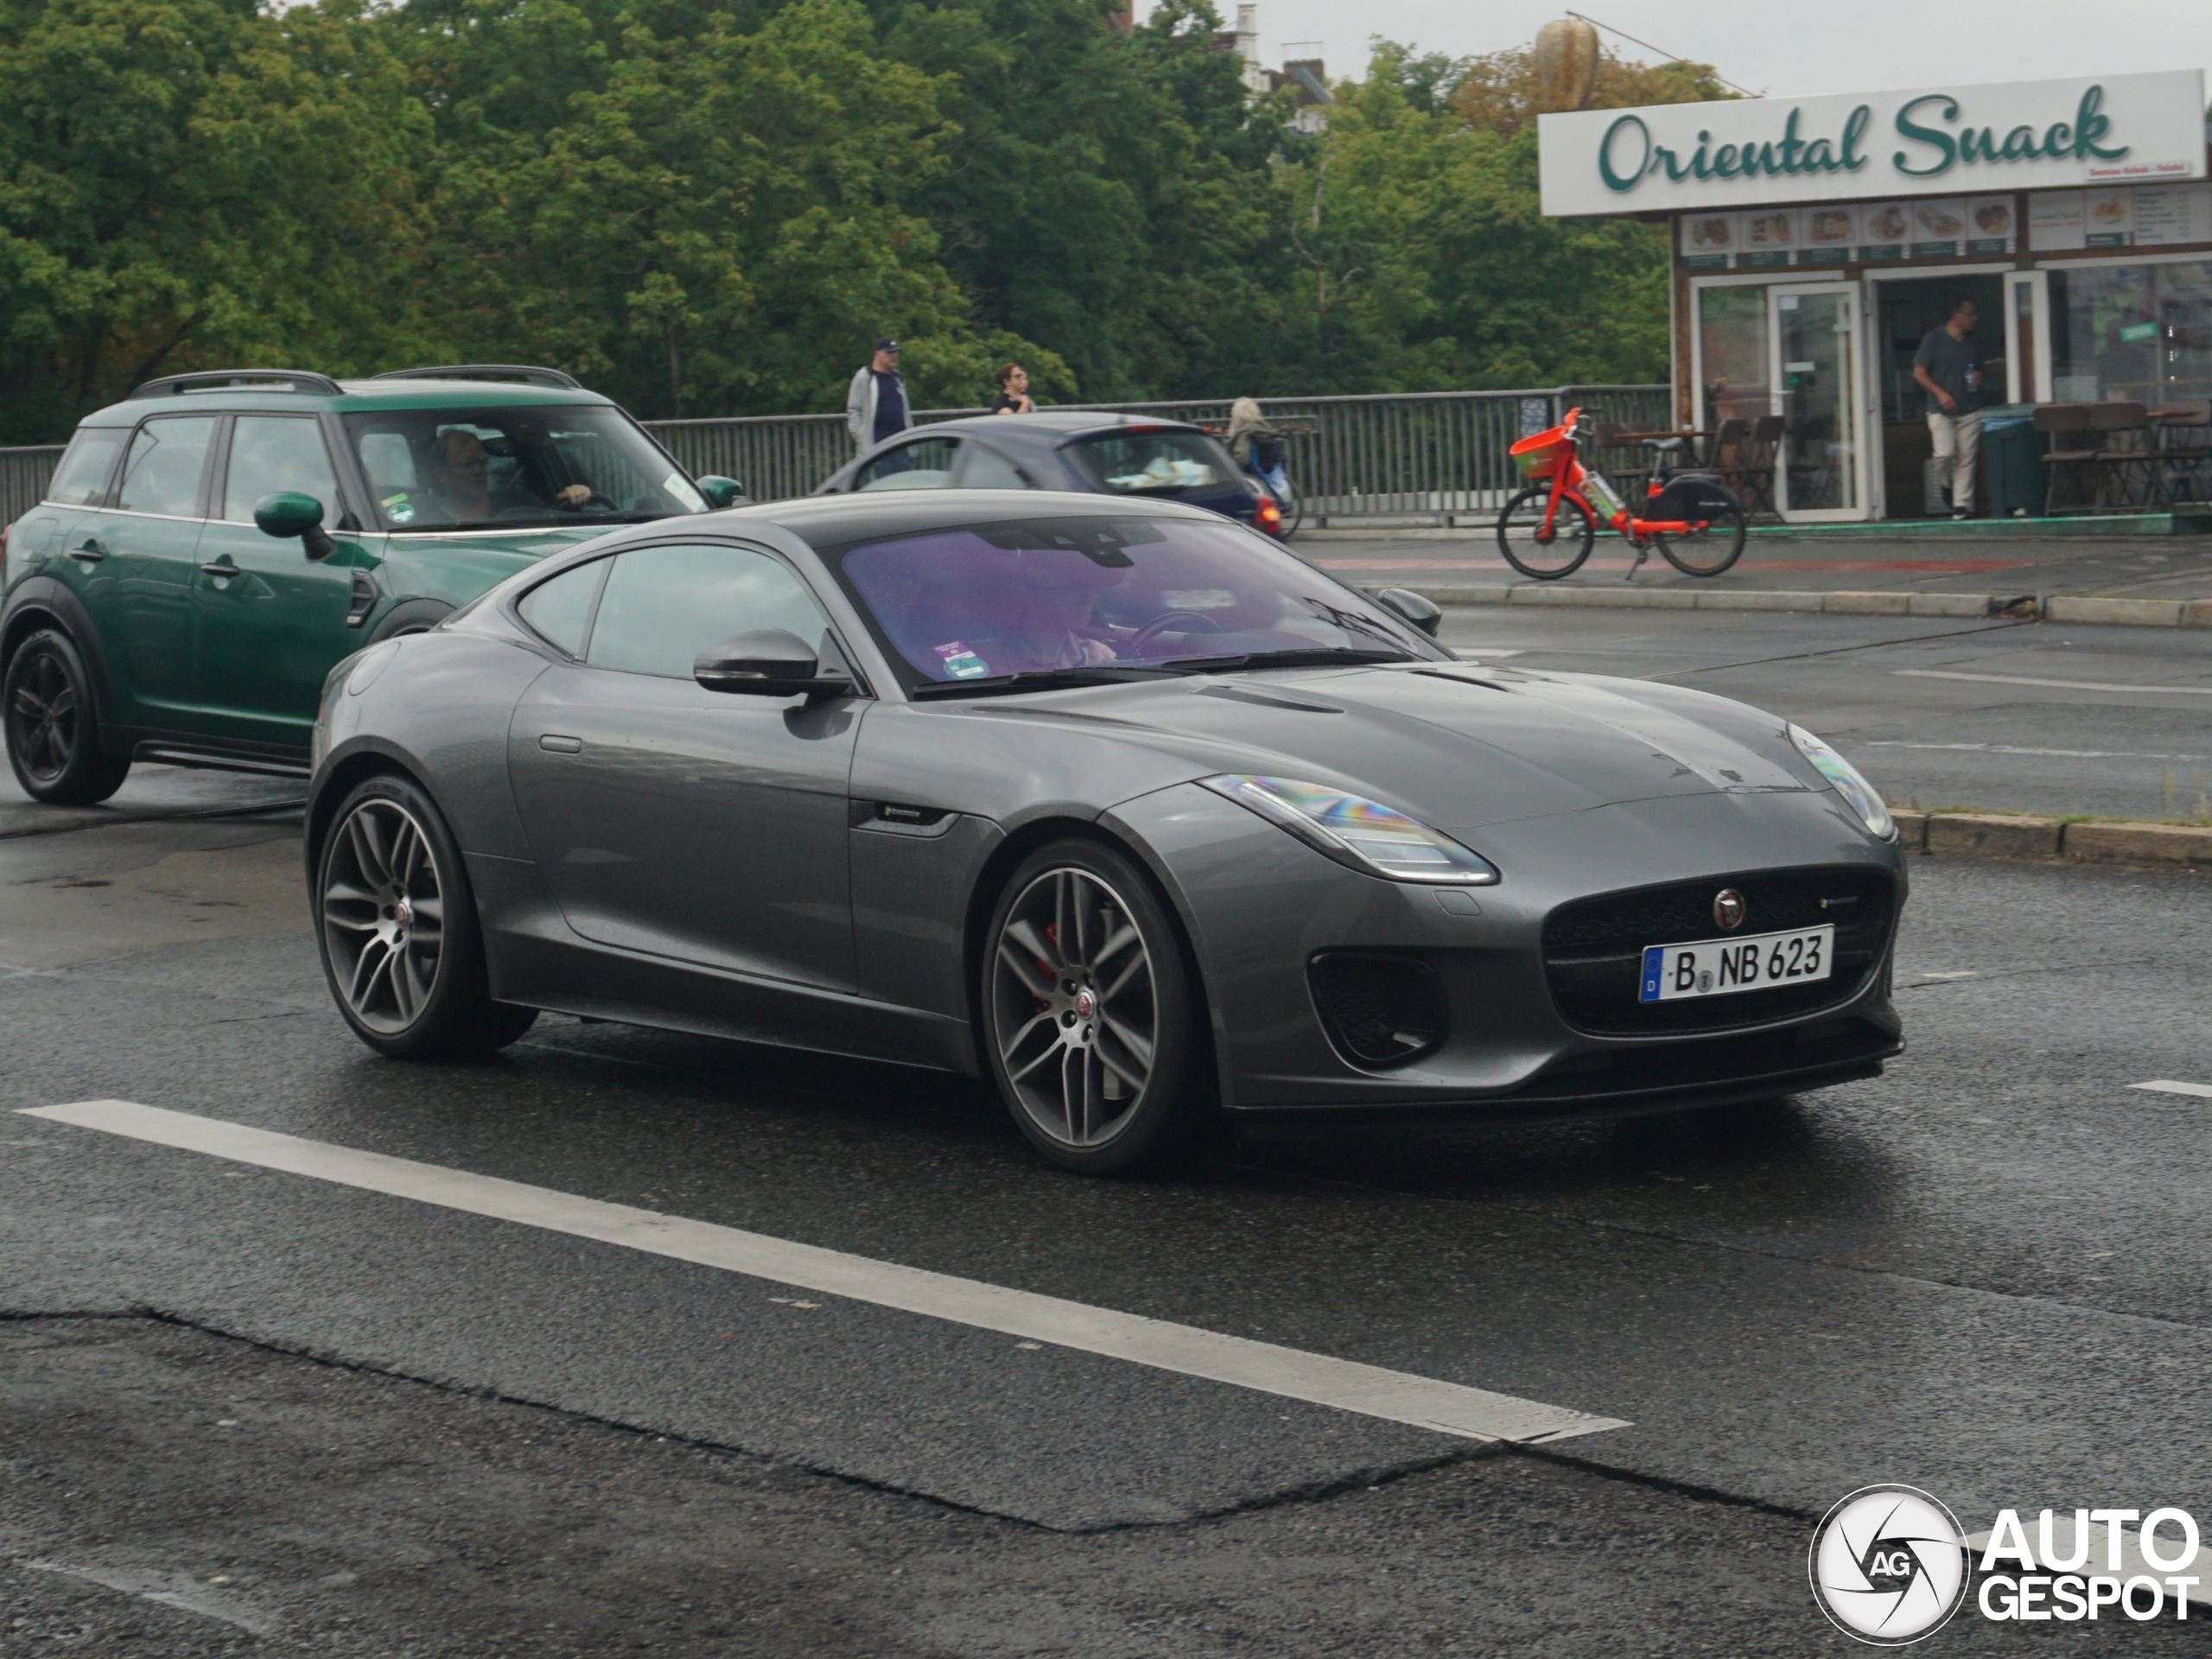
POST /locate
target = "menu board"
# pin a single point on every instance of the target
(1991, 225)
(2055, 221)
(1828, 234)
(1938, 227)
(1885, 228)
(1769, 236)
(1709, 240)
(2168, 214)
(2109, 216)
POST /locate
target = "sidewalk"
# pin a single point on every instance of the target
(1971, 568)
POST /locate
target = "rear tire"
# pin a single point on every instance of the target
(398, 929)
(53, 736)
(1545, 556)
(1712, 550)
(1088, 1024)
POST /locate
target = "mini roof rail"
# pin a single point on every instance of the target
(522, 372)
(241, 379)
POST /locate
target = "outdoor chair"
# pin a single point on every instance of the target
(2185, 451)
(2069, 455)
(1724, 458)
(2128, 466)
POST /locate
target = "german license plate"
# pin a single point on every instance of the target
(1721, 967)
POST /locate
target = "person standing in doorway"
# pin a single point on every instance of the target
(1944, 367)
(875, 407)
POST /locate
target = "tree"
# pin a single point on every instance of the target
(195, 182)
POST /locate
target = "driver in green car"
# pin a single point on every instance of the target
(460, 477)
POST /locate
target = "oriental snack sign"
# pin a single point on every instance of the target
(2031, 136)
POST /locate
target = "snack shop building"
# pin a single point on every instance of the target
(1815, 240)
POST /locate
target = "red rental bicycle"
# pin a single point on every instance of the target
(1546, 531)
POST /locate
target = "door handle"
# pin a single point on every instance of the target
(560, 744)
(221, 567)
(91, 552)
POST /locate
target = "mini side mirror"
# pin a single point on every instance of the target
(288, 513)
(1412, 607)
(767, 663)
(722, 492)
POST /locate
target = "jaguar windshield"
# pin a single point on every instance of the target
(1050, 597)
(449, 468)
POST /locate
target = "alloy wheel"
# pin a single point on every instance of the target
(42, 718)
(383, 915)
(1076, 1011)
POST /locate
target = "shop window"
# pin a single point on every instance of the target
(1731, 354)
(2139, 334)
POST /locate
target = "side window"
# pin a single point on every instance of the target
(561, 609)
(167, 457)
(81, 479)
(989, 470)
(664, 604)
(925, 464)
(270, 453)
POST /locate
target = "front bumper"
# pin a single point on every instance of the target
(1260, 906)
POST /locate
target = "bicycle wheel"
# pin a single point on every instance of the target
(1535, 551)
(1709, 551)
(1294, 507)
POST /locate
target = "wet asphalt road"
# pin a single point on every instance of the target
(355, 1424)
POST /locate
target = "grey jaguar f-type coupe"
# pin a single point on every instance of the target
(1115, 802)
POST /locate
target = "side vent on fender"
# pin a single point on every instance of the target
(363, 599)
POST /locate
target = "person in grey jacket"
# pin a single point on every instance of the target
(876, 407)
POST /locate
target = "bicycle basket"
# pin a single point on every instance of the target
(1537, 454)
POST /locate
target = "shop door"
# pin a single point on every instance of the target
(1813, 342)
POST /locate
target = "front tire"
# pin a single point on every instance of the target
(1088, 1024)
(53, 736)
(1545, 553)
(397, 929)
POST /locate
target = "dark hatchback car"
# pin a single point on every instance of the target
(211, 545)
(1066, 449)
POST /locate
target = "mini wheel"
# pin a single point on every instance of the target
(53, 735)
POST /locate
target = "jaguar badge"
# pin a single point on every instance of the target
(1729, 909)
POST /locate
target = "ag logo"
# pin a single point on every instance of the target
(1888, 1565)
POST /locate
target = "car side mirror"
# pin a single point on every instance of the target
(766, 662)
(722, 492)
(1412, 607)
(287, 514)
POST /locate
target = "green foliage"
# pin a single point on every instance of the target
(712, 207)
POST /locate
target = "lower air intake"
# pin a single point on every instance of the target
(1379, 1011)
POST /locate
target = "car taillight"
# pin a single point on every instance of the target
(1268, 516)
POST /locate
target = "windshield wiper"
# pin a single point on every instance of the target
(1302, 657)
(1042, 679)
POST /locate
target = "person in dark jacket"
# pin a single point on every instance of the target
(876, 406)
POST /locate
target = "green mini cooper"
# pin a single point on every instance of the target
(210, 547)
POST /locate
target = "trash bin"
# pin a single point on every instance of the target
(2011, 461)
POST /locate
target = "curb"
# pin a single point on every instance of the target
(2055, 607)
(1472, 526)
(1992, 834)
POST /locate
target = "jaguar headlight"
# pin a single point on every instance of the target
(1352, 829)
(1865, 799)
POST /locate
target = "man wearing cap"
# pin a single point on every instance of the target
(875, 408)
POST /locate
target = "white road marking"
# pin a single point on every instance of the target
(2063, 685)
(2168, 1086)
(171, 1590)
(1291, 1373)
(2014, 748)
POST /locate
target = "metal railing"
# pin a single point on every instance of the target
(1420, 456)
(1423, 456)
(23, 477)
